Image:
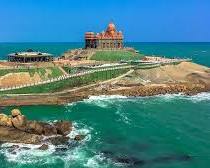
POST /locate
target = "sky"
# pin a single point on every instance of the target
(140, 20)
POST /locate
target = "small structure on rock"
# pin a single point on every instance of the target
(30, 56)
(110, 39)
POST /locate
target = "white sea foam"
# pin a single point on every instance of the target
(107, 97)
(95, 161)
(169, 97)
(104, 101)
(200, 97)
(30, 154)
(25, 153)
(71, 104)
(123, 116)
(77, 130)
(205, 96)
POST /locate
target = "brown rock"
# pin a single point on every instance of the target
(19, 122)
(43, 147)
(15, 112)
(79, 137)
(5, 120)
(34, 127)
(63, 127)
(13, 135)
(49, 130)
(58, 140)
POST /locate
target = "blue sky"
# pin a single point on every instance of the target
(140, 20)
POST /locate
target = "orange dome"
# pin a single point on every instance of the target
(111, 27)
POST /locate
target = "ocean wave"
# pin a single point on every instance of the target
(205, 96)
(107, 97)
(22, 154)
(80, 129)
(26, 153)
(104, 101)
(95, 161)
(123, 116)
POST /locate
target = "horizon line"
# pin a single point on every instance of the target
(124, 42)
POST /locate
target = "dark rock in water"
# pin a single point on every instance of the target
(12, 148)
(1, 143)
(63, 127)
(15, 146)
(43, 147)
(61, 149)
(141, 146)
(170, 158)
(58, 140)
(25, 148)
(13, 135)
(127, 161)
(184, 158)
(48, 130)
(79, 137)
(107, 153)
(130, 161)
(73, 144)
(14, 152)
(34, 127)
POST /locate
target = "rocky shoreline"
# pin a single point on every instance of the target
(161, 89)
(132, 91)
(16, 128)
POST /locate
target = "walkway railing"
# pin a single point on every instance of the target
(64, 77)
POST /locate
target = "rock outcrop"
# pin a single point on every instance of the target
(18, 129)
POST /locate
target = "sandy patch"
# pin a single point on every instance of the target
(17, 79)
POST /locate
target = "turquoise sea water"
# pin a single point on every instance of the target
(199, 52)
(169, 131)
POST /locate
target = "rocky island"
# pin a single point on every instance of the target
(16, 128)
(103, 67)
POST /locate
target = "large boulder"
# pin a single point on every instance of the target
(58, 140)
(34, 127)
(15, 112)
(63, 127)
(5, 120)
(19, 122)
(13, 135)
(40, 128)
(17, 129)
(48, 129)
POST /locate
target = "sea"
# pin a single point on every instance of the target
(163, 131)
